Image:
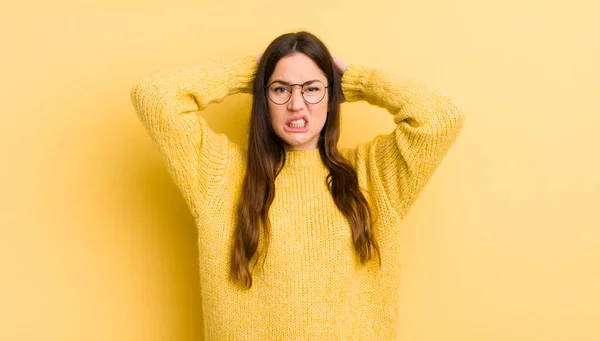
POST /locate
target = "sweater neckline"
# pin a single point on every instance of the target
(303, 158)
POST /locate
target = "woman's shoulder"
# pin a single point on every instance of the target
(359, 154)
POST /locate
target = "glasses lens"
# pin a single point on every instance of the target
(279, 93)
(313, 92)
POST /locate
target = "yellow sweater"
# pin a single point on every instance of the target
(312, 285)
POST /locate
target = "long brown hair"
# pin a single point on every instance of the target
(266, 157)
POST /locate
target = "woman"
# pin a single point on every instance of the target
(322, 224)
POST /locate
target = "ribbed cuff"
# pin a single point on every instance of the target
(243, 72)
(354, 81)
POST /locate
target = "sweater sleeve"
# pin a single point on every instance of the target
(427, 124)
(168, 104)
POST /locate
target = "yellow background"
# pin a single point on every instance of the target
(504, 243)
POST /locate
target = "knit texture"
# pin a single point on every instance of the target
(311, 285)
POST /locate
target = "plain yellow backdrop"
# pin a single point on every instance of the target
(503, 244)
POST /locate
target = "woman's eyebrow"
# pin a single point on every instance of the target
(288, 83)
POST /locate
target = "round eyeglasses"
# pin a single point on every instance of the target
(280, 93)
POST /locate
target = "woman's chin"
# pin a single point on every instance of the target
(297, 145)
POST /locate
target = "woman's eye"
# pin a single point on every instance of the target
(312, 89)
(280, 90)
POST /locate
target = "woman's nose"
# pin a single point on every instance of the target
(296, 102)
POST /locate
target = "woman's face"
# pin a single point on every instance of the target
(297, 122)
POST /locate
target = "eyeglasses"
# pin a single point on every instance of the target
(280, 93)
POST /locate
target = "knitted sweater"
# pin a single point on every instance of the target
(311, 285)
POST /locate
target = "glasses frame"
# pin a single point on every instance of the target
(266, 87)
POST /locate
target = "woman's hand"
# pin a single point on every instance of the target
(340, 65)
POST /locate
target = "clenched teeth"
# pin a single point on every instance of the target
(297, 123)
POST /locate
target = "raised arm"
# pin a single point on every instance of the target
(168, 104)
(427, 124)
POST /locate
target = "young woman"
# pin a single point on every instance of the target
(321, 224)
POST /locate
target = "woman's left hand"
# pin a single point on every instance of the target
(340, 65)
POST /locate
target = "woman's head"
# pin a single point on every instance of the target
(297, 93)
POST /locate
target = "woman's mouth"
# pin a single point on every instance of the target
(297, 126)
(297, 123)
